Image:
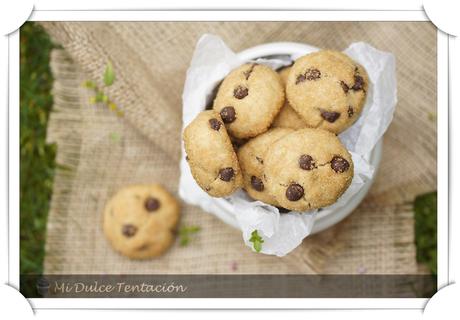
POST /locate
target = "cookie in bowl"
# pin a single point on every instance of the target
(288, 117)
(249, 99)
(327, 89)
(307, 169)
(251, 158)
(140, 221)
(211, 156)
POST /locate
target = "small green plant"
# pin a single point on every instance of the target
(425, 210)
(109, 75)
(185, 233)
(37, 157)
(99, 95)
(256, 240)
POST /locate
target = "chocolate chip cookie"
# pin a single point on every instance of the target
(327, 89)
(210, 155)
(140, 221)
(307, 169)
(251, 157)
(287, 117)
(248, 100)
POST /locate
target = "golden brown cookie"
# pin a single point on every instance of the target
(251, 158)
(211, 156)
(248, 100)
(307, 169)
(327, 89)
(287, 117)
(140, 220)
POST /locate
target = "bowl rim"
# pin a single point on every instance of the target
(275, 48)
(323, 219)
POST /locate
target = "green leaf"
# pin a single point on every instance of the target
(109, 74)
(112, 106)
(189, 229)
(99, 97)
(184, 241)
(256, 240)
(185, 232)
(89, 84)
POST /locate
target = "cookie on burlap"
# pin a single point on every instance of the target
(249, 99)
(211, 156)
(251, 158)
(307, 169)
(140, 220)
(327, 89)
(287, 117)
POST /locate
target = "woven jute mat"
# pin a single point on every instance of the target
(101, 152)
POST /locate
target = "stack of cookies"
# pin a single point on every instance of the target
(275, 134)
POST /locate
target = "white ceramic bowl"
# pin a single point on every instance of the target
(326, 217)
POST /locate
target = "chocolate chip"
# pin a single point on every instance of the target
(339, 164)
(187, 158)
(306, 162)
(310, 75)
(152, 204)
(294, 192)
(359, 83)
(215, 124)
(300, 78)
(257, 184)
(226, 174)
(344, 86)
(313, 74)
(143, 247)
(330, 116)
(283, 210)
(240, 92)
(129, 230)
(350, 111)
(228, 114)
(260, 160)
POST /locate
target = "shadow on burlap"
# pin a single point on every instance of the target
(103, 152)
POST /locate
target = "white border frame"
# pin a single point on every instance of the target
(224, 303)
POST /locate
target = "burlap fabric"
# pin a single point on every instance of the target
(102, 152)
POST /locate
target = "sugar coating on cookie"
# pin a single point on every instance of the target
(251, 158)
(211, 156)
(327, 89)
(307, 169)
(288, 117)
(249, 99)
(140, 221)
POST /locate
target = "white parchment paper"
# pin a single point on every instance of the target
(211, 62)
